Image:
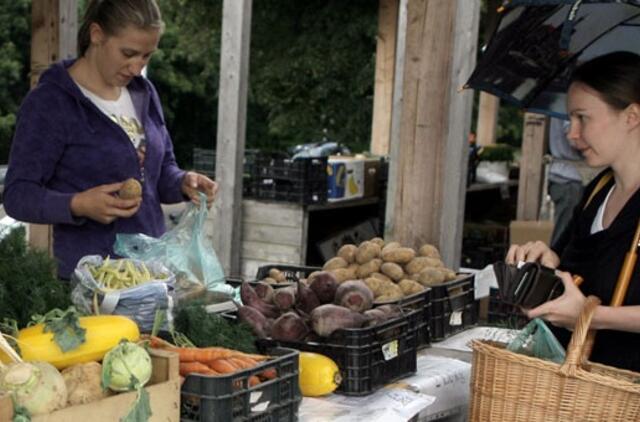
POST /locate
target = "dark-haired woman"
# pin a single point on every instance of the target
(89, 125)
(604, 109)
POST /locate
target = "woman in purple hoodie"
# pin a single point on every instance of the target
(89, 125)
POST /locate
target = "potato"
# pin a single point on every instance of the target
(449, 274)
(398, 255)
(348, 253)
(417, 264)
(381, 277)
(433, 262)
(343, 274)
(375, 284)
(366, 252)
(392, 270)
(312, 276)
(429, 251)
(378, 241)
(335, 263)
(389, 292)
(270, 280)
(431, 276)
(277, 275)
(131, 189)
(369, 268)
(410, 287)
(391, 245)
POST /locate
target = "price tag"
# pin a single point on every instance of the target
(456, 318)
(390, 350)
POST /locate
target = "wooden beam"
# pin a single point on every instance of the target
(230, 145)
(531, 166)
(427, 184)
(487, 119)
(54, 27)
(384, 76)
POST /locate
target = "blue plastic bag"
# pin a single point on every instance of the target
(184, 250)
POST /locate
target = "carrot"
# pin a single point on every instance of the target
(243, 362)
(223, 366)
(269, 373)
(187, 368)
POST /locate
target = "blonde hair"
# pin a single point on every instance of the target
(114, 15)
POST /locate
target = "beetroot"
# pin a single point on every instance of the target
(250, 298)
(307, 300)
(355, 295)
(264, 291)
(254, 318)
(284, 298)
(324, 285)
(326, 319)
(289, 327)
(376, 316)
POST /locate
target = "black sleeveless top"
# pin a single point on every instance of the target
(598, 259)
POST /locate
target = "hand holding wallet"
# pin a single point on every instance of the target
(528, 285)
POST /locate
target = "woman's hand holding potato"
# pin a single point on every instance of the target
(101, 204)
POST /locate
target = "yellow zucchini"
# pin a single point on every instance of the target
(319, 375)
(103, 333)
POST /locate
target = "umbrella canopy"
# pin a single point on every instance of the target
(538, 43)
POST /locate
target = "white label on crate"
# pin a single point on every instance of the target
(390, 350)
(456, 318)
(255, 396)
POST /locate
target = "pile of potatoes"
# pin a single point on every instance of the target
(390, 270)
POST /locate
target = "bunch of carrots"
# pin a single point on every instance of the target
(215, 360)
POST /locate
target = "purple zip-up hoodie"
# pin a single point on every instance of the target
(64, 144)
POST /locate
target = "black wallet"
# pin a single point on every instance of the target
(527, 285)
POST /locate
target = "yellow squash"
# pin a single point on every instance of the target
(103, 333)
(319, 375)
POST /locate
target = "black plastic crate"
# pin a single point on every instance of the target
(302, 181)
(225, 398)
(449, 323)
(503, 314)
(368, 358)
(277, 167)
(293, 273)
(451, 298)
(452, 295)
(296, 191)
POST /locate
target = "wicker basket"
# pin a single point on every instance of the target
(507, 386)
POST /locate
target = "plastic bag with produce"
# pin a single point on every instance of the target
(126, 287)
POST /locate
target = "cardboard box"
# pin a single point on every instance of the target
(345, 178)
(163, 389)
(527, 231)
(6, 408)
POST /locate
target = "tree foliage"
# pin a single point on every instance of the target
(15, 38)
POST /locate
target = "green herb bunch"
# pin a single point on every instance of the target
(28, 282)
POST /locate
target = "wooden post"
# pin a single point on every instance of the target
(531, 166)
(384, 77)
(54, 27)
(487, 119)
(427, 184)
(489, 105)
(232, 110)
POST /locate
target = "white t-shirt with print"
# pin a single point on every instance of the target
(122, 112)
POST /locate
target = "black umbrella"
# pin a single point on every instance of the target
(538, 43)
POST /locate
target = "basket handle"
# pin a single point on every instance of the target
(581, 342)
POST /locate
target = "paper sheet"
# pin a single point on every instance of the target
(461, 340)
(390, 404)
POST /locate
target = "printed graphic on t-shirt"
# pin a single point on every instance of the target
(134, 131)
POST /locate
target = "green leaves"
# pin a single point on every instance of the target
(141, 409)
(65, 326)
